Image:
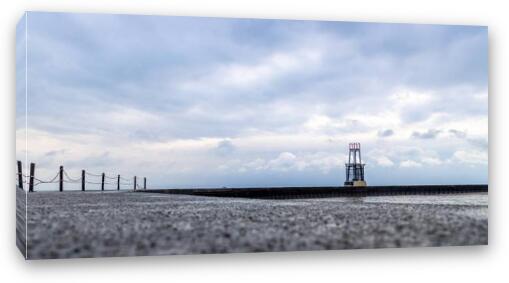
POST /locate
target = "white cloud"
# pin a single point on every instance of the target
(384, 161)
(323, 123)
(409, 164)
(243, 75)
(257, 164)
(326, 162)
(431, 161)
(126, 116)
(471, 156)
(404, 97)
(246, 75)
(285, 161)
(317, 122)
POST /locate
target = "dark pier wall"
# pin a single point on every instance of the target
(324, 192)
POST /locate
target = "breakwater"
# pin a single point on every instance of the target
(325, 192)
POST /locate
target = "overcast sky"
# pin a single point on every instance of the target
(213, 102)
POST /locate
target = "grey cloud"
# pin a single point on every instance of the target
(83, 66)
(429, 134)
(458, 133)
(103, 160)
(479, 143)
(52, 153)
(92, 69)
(224, 148)
(416, 114)
(385, 133)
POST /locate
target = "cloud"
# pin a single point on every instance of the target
(477, 141)
(236, 75)
(480, 143)
(429, 134)
(385, 133)
(431, 161)
(52, 153)
(257, 164)
(384, 161)
(409, 164)
(471, 157)
(224, 148)
(322, 162)
(181, 97)
(457, 133)
(285, 161)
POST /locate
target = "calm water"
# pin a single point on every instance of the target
(476, 199)
(457, 199)
(474, 205)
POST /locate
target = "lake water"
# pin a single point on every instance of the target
(480, 199)
(458, 199)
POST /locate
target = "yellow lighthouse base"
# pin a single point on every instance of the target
(359, 183)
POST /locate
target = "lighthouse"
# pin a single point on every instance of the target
(354, 168)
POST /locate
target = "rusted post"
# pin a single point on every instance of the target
(20, 175)
(83, 180)
(102, 182)
(61, 183)
(31, 177)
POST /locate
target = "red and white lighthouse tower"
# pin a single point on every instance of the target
(354, 168)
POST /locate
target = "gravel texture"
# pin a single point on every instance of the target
(20, 220)
(95, 224)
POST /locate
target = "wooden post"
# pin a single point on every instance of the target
(20, 175)
(61, 183)
(102, 183)
(83, 180)
(144, 183)
(118, 183)
(31, 180)
(135, 183)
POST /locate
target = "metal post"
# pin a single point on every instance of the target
(360, 159)
(31, 180)
(102, 182)
(61, 183)
(135, 183)
(83, 180)
(20, 175)
(118, 183)
(349, 153)
(144, 183)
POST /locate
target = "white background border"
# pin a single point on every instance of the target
(454, 264)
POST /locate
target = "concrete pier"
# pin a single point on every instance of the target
(96, 224)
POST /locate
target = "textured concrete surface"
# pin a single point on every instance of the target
(92, 224)
(20, 221)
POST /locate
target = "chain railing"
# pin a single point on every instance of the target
(63, 177)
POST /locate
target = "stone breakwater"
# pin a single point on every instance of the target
(327, 192)
(95, 224)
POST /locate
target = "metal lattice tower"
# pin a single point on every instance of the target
(354, 168)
